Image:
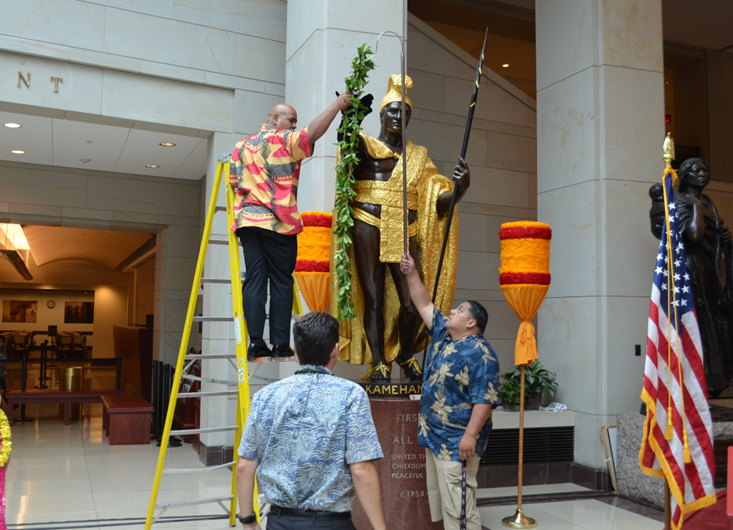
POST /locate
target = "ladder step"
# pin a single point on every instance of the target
(203, 356)
(216, 280)
(207, 380)
(199, 469)
(212, 319)
(216, 241)
(185, 395)
(221, 209)
(185, 432)
(197, 501)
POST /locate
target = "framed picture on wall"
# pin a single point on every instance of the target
(20, 311)
(78, 312)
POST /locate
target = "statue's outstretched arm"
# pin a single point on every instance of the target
(462, 180)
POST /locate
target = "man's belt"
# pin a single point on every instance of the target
(278, 510)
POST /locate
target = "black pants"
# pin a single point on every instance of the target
(268, 255)
(290, 522)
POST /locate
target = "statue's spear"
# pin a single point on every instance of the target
(464, 148)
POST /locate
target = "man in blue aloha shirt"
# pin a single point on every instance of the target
(311, 441)
(459, 391)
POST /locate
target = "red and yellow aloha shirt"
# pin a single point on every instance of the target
(265, 169)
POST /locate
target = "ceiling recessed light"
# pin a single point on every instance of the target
(17, 152)
(167, 144)
(12, 125)
(152, 166)
(505, 65)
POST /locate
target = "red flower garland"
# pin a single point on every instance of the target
(515, 278)
(520, 232)
(311, 266)
(316, 219)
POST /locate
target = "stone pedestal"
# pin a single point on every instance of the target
(631, 481)
(401, 471)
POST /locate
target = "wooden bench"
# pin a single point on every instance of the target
(65, 397)
(127, 419)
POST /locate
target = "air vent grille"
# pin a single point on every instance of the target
(541, 446)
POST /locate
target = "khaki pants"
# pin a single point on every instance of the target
(444, 492)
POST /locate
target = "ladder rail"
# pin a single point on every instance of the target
(184, 344)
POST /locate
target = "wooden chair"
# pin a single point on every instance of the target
(64, 346)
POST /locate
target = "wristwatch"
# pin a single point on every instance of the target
(248, 520)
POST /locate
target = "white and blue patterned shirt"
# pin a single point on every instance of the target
(305, 430)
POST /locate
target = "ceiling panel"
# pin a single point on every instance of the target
(34, 137)
(100, 144)
(106, 247)
(142, 148)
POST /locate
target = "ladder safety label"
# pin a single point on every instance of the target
(238, 330)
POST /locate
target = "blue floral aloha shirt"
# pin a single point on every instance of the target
(459, 373)
(305, 430)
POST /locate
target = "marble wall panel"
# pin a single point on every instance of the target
(479, 233)
(506, 151)
(169, 71)
(569, 25)
(166, 41)
(574, 238)
(588, 429)
(624, 373)
(439, 61)
(80, 90)
(311, 18)
(317, 190)
(150, 99)
(632, 34)
(498, 186)
(259, 58)
(492, 103)
(251, 109)
(181, 239)
(82, 27)
(565, 116)
(444, 142)
(24, 185)
(259, 18)
(632, 124)
(427, 91)
(126, 195)
(158, 8)
(478, 270)
(631, 249)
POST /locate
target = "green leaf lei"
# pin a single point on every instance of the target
(345, 181)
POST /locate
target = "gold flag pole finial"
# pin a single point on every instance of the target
(668, 149)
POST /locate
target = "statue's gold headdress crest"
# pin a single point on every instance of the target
(394, 90)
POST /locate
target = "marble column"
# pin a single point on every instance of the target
(323, 37)
(600, 128)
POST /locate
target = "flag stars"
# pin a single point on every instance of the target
(677, 263)
(685, 289)
(676, 277)
(658, 270)
(687, 277)
(683, 302)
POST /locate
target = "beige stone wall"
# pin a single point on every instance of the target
(720, 115)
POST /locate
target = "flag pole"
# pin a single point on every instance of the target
(667, 506)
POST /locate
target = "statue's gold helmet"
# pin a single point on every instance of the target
(394, 90)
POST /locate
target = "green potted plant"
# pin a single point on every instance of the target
(509, 392)
(538, 381)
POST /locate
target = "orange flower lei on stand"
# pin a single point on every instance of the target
(313, 263)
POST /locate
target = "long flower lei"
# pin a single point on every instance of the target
(345, 181)
(5, 437)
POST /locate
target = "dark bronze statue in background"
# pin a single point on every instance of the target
(709, 264)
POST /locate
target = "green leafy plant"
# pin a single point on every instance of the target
(345, 181)
(537, 381)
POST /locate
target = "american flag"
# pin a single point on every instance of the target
(669, 341)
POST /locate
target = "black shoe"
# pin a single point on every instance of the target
(258, 351)
(282, 351)
(411, 369)
(381, 373)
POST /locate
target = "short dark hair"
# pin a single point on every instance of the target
(315, 335)
(479, 314)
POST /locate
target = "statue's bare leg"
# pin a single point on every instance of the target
(371, 274)
(409, 318)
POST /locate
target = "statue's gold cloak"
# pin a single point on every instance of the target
(425, 186)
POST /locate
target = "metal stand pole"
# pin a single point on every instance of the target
(519, 520)
(667, 507)
(42, 370)
(24, 376)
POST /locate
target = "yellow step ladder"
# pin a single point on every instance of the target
(187, 360)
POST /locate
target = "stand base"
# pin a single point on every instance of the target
(519, 520)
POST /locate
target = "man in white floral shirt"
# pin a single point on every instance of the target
(459, 391)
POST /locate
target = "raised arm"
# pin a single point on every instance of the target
(418, 292)
(319, 126)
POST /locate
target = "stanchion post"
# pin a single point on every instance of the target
(667, 507)
(519, 520)
(118, 382)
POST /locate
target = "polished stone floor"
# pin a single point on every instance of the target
(64, 477)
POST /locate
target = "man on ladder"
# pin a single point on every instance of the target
(264, 170)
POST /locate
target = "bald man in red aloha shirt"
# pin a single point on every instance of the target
(265, 170)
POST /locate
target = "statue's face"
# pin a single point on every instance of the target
(697, 176)
(391, 117)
